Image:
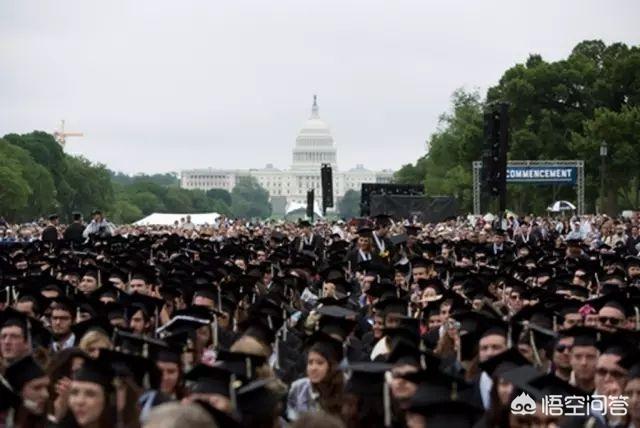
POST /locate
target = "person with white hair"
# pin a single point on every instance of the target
(177, 415)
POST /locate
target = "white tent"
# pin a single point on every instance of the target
(294, 206)
(166, 219)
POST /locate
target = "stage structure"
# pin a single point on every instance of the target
(540, 172)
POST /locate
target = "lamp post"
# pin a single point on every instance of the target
(603, 172)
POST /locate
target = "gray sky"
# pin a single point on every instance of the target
(166, 85)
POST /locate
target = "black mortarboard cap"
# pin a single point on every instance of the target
(211, 380)
(503, 362)
(240, 363)
(619, 343)
(365, 232)
(392, 305)
(327, 346)
(583, 336)
(95, 371)
(397, 240)
(550, 384)
(631, 362)
(128, 365)
(257, 398)
(367, 378)
(22, 371)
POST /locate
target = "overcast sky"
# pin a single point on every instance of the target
(162, 86)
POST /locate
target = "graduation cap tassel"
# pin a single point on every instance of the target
(386, 398)
(99, 279)
(509, 334)
(214, 331)
(555, 323)
(423, 362)
(232, 392)
(637, 312)
(219, 299)
(248, 367)
(10, 418)
(276, 350)
(536, 355)
(185, 349)
(8, 299)
(29, 338)
(114, 335)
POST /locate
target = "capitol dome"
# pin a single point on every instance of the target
(314, 144)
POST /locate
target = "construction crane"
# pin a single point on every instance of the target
(61, 135)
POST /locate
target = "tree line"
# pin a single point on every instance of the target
(37, 178)
(560, 110)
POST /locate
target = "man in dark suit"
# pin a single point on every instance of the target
(381, 243)
(499, 247)
(75, 229)
(50, 233)
(364, 250)
(307, 241)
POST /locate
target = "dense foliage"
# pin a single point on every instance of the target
(558, 110)
(37, 178)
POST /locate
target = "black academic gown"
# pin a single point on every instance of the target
(315, 245)
(50, 234)
(74, 232)
(388, 247)
(355, 258)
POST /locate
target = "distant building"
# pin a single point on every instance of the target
(288, 188)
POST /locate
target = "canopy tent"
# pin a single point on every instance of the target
(166, 219)
(297, 211)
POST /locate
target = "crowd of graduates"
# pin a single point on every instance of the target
(375, 322)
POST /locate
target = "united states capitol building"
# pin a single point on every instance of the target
(288, 188)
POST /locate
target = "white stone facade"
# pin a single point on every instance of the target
(314, 147)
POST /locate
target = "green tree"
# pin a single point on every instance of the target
(147, 202)
(446, 168)
(621, 132)
(220, 195)
(250, 200)
(349, 204)
(42, 192)
(125, 212)
(558, 110)
(178, 200)
(90, 186)
(14, 191)
(552, 106)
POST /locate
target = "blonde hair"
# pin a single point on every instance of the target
(176, 415)
(94, 338)
(252, 346)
